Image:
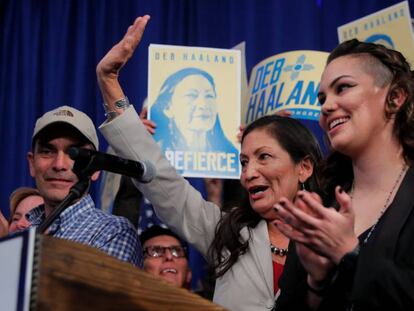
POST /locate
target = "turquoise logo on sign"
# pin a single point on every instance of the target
(298, 67)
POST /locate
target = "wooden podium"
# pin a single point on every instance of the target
(72, 276)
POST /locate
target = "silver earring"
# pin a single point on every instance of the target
(302, 186)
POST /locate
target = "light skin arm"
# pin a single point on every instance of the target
(107, 70)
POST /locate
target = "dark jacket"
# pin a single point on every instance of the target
(384, 274)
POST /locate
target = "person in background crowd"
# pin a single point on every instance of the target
(22, 200)
(165, 256)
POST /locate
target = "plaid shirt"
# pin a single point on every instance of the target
(83, 223)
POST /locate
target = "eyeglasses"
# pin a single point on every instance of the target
(159, 251)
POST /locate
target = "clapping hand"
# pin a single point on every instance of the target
(328, 232)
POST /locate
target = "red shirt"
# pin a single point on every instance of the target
(277, 273)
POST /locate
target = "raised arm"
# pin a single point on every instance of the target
(175, 201)
(107, 70)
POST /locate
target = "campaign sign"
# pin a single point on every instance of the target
(286, 81)
(391, 27)
(194, 98)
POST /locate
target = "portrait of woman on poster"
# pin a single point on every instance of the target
(186, 114)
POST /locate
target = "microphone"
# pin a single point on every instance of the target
(87, 160)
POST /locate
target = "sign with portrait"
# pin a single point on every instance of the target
(285, 81)
(194, 99)
(391, 27)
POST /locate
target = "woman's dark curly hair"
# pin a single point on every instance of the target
(300, 143)
(388, 67)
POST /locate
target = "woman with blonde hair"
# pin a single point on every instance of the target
(22, 200)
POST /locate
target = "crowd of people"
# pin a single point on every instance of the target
(311, 233)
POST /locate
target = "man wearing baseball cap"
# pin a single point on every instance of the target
(54, 133)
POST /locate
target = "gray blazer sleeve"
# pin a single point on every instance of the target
(175, 201)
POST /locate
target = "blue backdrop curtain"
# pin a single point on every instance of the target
(49, 50)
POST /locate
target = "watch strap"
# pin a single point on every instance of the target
(349, 261)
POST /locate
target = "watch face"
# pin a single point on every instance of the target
(122, 103)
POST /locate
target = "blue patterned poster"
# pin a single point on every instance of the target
(194, 98)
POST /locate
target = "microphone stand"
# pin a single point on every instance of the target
(82, 169)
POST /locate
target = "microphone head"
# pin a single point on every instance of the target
(149, 171)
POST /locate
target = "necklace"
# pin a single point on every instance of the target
(278, 251)
(387, 201)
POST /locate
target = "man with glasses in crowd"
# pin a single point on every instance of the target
(165, 256)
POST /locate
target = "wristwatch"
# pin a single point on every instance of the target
(122, 103)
